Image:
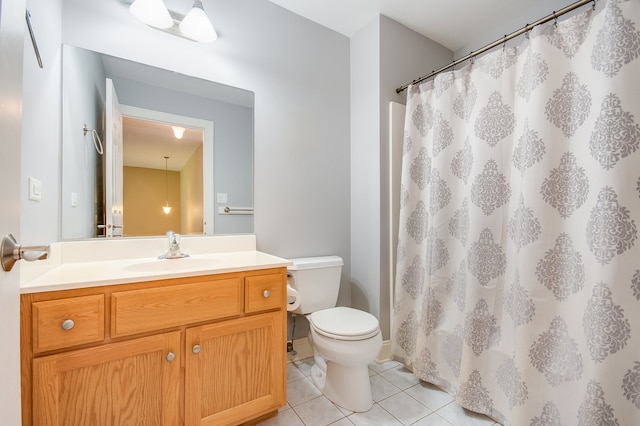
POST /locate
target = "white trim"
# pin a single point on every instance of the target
(385, 352)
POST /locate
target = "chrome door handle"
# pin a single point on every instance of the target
(11, 251)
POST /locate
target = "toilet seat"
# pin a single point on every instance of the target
(342, 323)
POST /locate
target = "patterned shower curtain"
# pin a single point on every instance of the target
(518, 269)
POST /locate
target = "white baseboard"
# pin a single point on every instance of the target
(385, 352)
(304, 350)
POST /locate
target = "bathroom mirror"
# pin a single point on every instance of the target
(151, 100)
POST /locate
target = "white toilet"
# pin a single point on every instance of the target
(345, 340)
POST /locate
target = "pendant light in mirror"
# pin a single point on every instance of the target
(178, 131)
(195, 25)
(166, 208)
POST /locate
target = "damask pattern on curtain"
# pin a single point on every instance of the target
(518, 283)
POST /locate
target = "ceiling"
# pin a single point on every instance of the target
(148, 142)
(452, 23)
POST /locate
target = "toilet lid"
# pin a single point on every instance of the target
(344, 323)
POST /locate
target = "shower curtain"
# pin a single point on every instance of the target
(518, 266)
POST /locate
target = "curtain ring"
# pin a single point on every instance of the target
(555, 19)
(472, 59)
(504, 44)
(594, 5)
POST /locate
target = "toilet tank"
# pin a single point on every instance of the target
(317, 279)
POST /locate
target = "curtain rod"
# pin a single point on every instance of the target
(503, 40)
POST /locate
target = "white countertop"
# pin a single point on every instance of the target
(90, 274)
(63, 272)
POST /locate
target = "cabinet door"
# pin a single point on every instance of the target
(235, 370)
(136, 382)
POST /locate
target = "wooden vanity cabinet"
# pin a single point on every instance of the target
(136, 382)
(233, 369)
(205, 350)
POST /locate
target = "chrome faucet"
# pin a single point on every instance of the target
(174, 247)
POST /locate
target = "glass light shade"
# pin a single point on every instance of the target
(166, 209)
(196, 25)
(152, 12)
(178, 131)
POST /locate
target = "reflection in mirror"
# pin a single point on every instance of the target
(163, 173)
(155, 99)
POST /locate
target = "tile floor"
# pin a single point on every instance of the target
(399, 399)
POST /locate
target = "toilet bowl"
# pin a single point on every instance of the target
(345, 341)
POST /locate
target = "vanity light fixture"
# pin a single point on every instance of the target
(166, 208)
(152, 12)
(178, 131)
(195, 25)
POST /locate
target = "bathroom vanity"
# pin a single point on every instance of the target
(199, 342)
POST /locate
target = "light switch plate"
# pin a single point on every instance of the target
(221, 197)
(74, 199)
(35, 189)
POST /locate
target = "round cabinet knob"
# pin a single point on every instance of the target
(266, 293)
(68, 324)
(195, 349)
(171, 356)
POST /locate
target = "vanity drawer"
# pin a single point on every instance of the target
(67, 322)
(263, 292)
(139, 311)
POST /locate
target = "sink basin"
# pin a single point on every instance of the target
(169, 265)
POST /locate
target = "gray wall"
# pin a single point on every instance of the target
(299, 73)
(365, 168)
(384, 55)
(84, 94)
(42, 126)
(405, 54)
(526, 12)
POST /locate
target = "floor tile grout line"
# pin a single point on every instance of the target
(391, 365)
